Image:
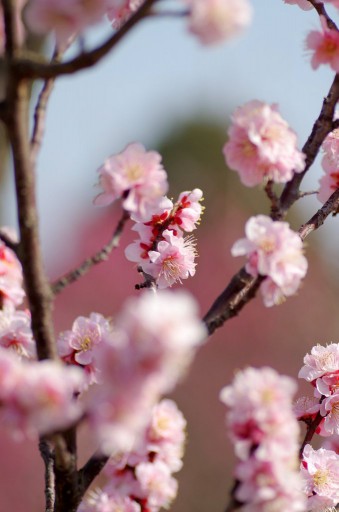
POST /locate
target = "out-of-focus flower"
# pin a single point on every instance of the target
(213, 21)
(324, 46)
(305, 5)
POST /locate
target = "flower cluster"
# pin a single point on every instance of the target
(329, 182)
(324, 46)
(37, 397)
(142, 357)
(142, 479)
(265, 435)
(11, 290)
(213, 21)
(275, 251)
(261, 145)
(162, 251)
(320, 468)
(320, 473)
(16, 333)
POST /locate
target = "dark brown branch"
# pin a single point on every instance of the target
(311, 430)
(320, 8)
(99, 257)
(318, 219)
(9, 242)
(321, 128)
(29, 68)
(47, 454)
(11, 36)
(91, 470)
(239, 292)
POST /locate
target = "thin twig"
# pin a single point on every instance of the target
(318, 219)
(47, 454)
(33, 67)
(98, 257)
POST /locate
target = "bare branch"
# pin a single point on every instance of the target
(99, 257)
(321, 128)
(47, 454)
(34, 68)
(320, 8)
(90, 470)
(318, 219)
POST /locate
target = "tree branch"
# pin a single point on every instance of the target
(311, 430)
(100, 256)
(321, 128)
(320, 8)
(47, 454)
(90, 470)
(29, 68)
(318, 219)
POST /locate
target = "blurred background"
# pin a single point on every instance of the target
(162, 88)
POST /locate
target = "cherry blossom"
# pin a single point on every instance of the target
(100, 501)
(261, 145)
(213, 21)
(188, 210)
(324, 46)
(330, 409)
(329, 182)
(306, 407)
(275, 251)
(11, 279)
(137, 176)
(320, 472)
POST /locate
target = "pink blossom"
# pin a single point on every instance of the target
(16, 333)
(11, 279)
(154, 340)
(100, 501)
(321, 361)
(172, 261)
(261, 145)
(79, 345)
(306, 407)
(120, 10)
(305, 5)
(188, 210)
(329, 182)
(265, 435)
(332, 443)
(137, 176)
(320, 471)
(275, 251)
(324, 46)
(330, 409)
(156, 484)
(64, 17)
(213, 21)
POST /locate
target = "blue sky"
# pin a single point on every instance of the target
(158, 76)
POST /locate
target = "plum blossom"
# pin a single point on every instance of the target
(153, 341)
(320, 473)
(37, 397)
(162, 251)
(306, 407)
(321, 361)
(172, 260)
(79, 345)
(324, 46)
(65, 18)
(265, 434)
(261, 145)
(329, 182)
(330, 409)
(120, 10)
(16, 333)
(136, 176)
(11, 278)
(144, 476)
(305, 5)
(213, 21)
(275, 251)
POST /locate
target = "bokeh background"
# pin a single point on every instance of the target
(162, 88)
